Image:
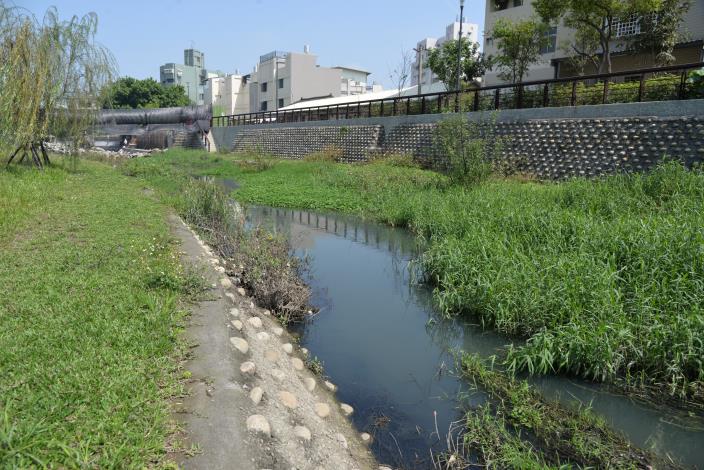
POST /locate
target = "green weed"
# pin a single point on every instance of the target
(90, 320)
(604, 278)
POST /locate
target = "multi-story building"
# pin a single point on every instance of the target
(428, 80)
(228, 95)
(554, 60)
(355, 81)
(282, 78)
(192, 75)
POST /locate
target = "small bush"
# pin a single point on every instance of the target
(327, 155)
(256, 162)
(695, 84)
(467, 153)
(403, 160)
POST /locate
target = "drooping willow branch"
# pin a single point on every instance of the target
(51, 75)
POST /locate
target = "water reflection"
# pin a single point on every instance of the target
(391, 355)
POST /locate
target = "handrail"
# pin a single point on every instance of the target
(362, 108)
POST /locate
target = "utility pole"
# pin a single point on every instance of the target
(420, 49)
(459, 49)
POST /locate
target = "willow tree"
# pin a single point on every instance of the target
(51, 74)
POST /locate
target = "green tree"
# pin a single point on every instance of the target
(660, 32)
(51, 73)
(128, 92)
(519, 46)
(595, 19)
(443, 62)
(582, 50)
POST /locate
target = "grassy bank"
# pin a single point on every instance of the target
(518, 428)
(605, 279)
(90, 287)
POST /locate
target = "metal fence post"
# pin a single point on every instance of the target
(683, 84)
(641, 87)
(497, 98)
(546, 96)
(422, 105)
(476, 101)
(519, 98)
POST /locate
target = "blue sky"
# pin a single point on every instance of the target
(369, 34)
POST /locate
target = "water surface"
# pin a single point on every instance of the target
(382, 342)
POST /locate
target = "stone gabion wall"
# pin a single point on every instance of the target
(559, 149)
(357, 143)
(547, 149)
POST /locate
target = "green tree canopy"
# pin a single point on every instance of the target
(595, 19)
(519, 46)
(51, 74)
(443, 62)
(128, 92)
(660, 31)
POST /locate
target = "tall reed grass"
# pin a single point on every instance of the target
(605, 279)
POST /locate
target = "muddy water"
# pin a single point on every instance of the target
(383, 344)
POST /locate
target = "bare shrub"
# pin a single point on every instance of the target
(261, 260)
(329, 154)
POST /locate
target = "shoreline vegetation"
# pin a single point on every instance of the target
(604, 279)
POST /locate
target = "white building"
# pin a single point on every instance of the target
(429, 82)
(228, 95)
(283, 78)
(356, 82)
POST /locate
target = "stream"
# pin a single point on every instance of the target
(382, 342)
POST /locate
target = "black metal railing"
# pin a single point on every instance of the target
(654, 84)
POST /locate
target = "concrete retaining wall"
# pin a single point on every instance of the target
(550, 143)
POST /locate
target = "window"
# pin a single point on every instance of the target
(264, 87)
(281, 82)
(626, 27)
(169, 80)
(281, 102)
(504, 4)
(551, 35)
(263, 106)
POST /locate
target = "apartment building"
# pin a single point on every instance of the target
(428, 80)
(554, 61)
(282, 78)
(192, 75)
(228, 95)
(356, 82)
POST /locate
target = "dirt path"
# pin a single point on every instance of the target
(252, 403)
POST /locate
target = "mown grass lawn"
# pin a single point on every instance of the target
(90, 295)
(604, 278)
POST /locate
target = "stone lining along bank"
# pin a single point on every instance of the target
(550, 143)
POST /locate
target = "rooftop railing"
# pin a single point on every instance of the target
(653, 84)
